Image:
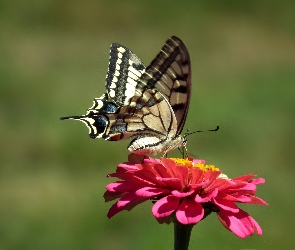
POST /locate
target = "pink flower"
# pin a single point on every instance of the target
(185, 190)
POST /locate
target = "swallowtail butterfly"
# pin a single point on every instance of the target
(147, 104)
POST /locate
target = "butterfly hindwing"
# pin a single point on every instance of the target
(97, 116)
(145, 114)
(149, 119)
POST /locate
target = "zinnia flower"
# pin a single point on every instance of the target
(185, 190)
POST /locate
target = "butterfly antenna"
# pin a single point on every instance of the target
(209, 130)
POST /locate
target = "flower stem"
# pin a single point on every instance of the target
(182, 235)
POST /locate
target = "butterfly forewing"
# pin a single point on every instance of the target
(170, 73)
(125, 68)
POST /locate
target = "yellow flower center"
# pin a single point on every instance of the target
(188, 163)
(206, 167)
(182, 162)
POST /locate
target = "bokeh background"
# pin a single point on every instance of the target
(53, 62)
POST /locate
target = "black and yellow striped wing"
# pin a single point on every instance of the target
(169, 73)
(147, 104)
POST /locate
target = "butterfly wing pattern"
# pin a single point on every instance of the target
(147, 104)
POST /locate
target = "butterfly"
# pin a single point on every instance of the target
(147, 104)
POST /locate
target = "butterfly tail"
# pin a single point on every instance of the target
(74, 117)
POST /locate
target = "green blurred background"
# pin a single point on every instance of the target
(54, 58)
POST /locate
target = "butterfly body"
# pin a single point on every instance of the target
(152, 145)
(147, 104)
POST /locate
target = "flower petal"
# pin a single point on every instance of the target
(120, 186)
(161, 170)
(181, 194)
(182, 174)
(258, 229)
(189, 212)
(258, 181)
(127, 202)
(226, 205)
(179, 172)
(197, 175)
(244, 177)
(257, 200)
(241, 223)
(211, 176)
(195, 161)
(221, 184)
(118, 189)
(207, 197)
(172, 183)
(239, 198)
(165, 206)
(123, 167)
(150, 192)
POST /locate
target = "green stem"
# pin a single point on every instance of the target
(182, 235)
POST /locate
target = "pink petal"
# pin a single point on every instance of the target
(126, 177)
(241, 223)
(226, 205)
(172, 183)
(123, 167)
(221, 184)
(151, 160)
(212, 177)
(240, 188)
(182, 174)
(161, 170)
(165, 206)
(180, 194)
(195, 161)
(248, 186)
(239, 198)
(149, 192)
(225, 196)
(197, 187)
(257, 200)
(189, 212)
(120, 186)
(170, 166)
(151, 167)
(197, 175)
(258, 229)
(146, 176)
(258, 181)
(244, 177)
(207, 197)
(127, 202)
